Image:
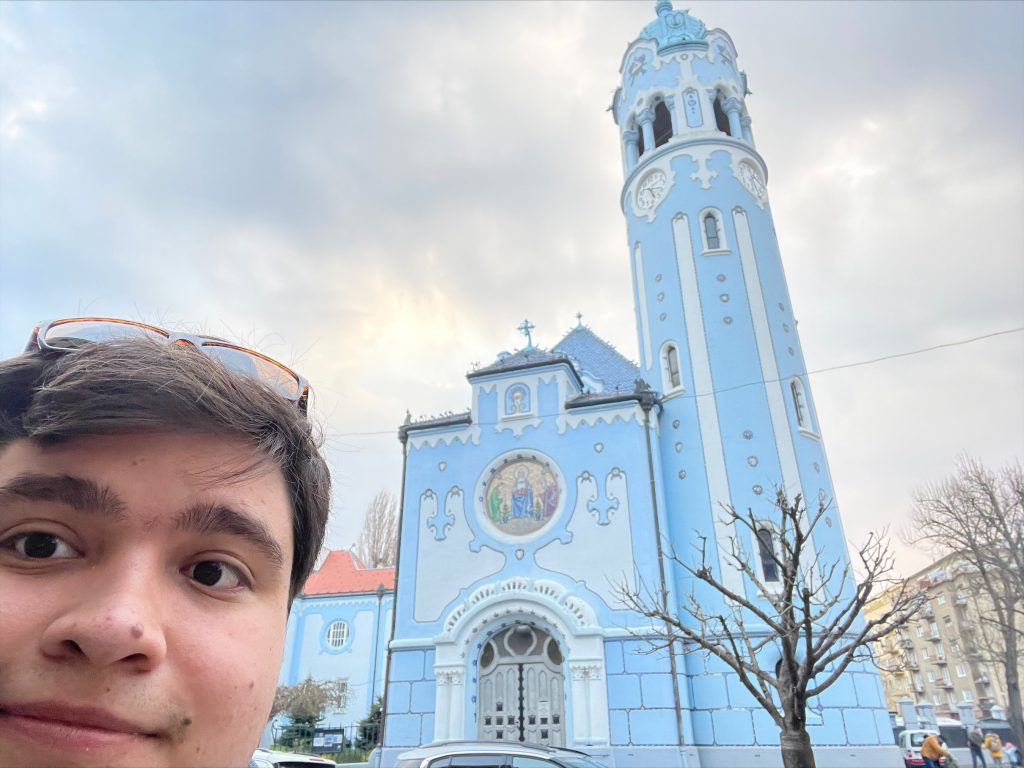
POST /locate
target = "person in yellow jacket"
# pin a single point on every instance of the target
(994, 745)
(932, 750)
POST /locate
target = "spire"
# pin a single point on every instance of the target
(662, 7)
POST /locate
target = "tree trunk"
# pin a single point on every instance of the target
(1013, 705)
(796, 748)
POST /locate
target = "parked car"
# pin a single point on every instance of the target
(493, 754)
(910, 742)
(265, 758)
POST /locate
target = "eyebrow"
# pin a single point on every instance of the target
(221, 518)
(78, 493)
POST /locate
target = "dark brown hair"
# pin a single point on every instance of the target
(130, 386)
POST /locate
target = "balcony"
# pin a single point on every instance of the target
(961, 600)
(941, 660)
(906, 642)
(918, 688)
(947, 684)
(981, 680)
(926, 613)
(912, 665)
(967, 626)
(935, 637)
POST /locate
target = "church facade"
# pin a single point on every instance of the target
(575, 472)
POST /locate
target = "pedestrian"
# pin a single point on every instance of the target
(976, 741)
(994, 745)
(1012, 754)
(932, 750)
(163, 499)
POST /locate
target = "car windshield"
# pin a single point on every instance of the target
(917, 739)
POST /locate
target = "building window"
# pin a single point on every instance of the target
(931, 676)
(670, 367)
(924, 654)
(961, 671)
(936, 699)
(721, 121)
(796, 390)
(947, 621)
(714, 242)
(662, 124)
(967, 695)
(941, 600)
(640, 141)
(766, 550)
(920, 631)
(337, 634)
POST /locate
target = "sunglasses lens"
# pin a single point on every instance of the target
(275, 376)
(73, 334)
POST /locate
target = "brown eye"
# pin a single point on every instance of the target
(214, 574)
(38, 545)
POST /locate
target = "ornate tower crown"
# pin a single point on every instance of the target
(674, 30)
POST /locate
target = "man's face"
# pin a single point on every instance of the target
(143, 600)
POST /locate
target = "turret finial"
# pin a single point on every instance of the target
(662, 7)
(525, 329)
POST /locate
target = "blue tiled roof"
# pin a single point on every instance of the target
(520, 359)
(598, 359)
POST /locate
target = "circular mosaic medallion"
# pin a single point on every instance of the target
(521, 496)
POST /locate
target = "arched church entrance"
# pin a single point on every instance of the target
(521, 689)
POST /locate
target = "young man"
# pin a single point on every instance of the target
(162, 500)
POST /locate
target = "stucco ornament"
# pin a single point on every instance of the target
(675, 29)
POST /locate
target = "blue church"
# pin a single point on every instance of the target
(575, 471)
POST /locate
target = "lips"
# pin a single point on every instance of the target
(63, 726)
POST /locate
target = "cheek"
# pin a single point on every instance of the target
(232, 670)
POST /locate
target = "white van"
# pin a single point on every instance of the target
(910, 742)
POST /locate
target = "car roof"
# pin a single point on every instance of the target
(444, 747)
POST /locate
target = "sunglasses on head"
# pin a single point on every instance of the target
(74, 333)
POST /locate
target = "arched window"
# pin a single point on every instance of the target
(662, 124)
(796, 389)
(766, 550)
(639, 141)
(721, 121)
(711, 235)
(337, 634)
(670, 367)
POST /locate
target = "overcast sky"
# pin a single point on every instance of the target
(379, 193)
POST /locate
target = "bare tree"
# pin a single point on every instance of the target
(978, 515)
(305, 704)
(809, 619)
(377, 545)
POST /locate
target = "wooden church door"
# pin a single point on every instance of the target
(521, 693)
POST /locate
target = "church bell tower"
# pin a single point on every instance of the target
(717, 334)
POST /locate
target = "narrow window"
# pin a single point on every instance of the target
(797, 390)
(670, 362)
(662, 124)
(769, 568)
(639, 141)
(711, 232)
(720, 119)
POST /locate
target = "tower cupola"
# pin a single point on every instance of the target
(675, 30)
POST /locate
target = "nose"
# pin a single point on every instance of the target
(113, 620)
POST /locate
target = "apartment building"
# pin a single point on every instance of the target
(945, 655)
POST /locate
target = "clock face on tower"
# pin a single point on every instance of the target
(750, 177)
(650, 190)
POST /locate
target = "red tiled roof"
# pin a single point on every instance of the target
(343, 574)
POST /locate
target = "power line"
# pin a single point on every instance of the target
(760, 382)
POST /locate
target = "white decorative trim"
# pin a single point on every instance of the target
(707, 406)
(641, 289)
(625, 412)
(538, 601)
(769, 369)
(464, 434)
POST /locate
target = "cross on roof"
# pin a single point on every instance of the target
(579, 319)
(525, 329)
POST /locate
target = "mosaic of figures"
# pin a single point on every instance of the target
(517, 400)
(521, 496)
